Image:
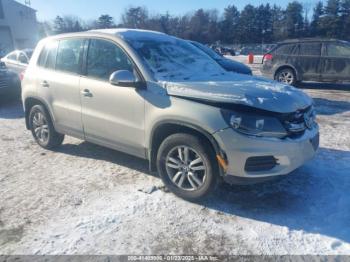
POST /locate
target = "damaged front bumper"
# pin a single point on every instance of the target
(255, 159)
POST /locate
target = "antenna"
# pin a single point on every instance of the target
(27, 2)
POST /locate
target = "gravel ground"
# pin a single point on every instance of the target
(86, 199)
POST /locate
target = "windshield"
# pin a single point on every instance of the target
(207, 50)
(172, 59)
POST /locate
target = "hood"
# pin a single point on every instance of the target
(245, 90)
(235, 66)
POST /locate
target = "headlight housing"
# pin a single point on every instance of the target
(255, 124)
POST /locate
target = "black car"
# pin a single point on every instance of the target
(9, 82)
(308, 60)
(227, 64)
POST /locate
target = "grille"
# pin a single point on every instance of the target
(260, 163)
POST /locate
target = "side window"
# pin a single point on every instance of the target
(22, 58)
(338, 50)
(285, 50)
(12, 56)
(104, 58)
(310, 49)
(68, 55)
(47, 57)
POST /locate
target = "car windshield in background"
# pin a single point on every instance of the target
(172, 59)
(208, 51)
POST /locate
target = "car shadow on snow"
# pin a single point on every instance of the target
(315, 198)
(92, 151)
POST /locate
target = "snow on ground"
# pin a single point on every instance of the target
(86, 199)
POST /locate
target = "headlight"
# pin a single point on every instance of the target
(254, 124)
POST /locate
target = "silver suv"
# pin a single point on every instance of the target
(160, 98)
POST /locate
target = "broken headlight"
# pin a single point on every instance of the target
(255, 124)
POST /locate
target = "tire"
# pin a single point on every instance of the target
(286, 76)
(189, 181)
(44, 133)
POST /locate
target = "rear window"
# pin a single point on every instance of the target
(310, 49)
(285, 49)
(12, 56)
(47, 58)
(68, 55)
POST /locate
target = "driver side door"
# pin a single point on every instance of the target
(113, 116)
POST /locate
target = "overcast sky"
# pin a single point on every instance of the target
(91, 9)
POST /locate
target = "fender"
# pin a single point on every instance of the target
(43, 102)
(287, 65)
(211, 139)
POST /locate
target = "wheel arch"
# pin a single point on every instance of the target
(166, 128)
(29, 102)
(287, 66)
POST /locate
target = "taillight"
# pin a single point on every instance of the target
(21, 75)
(267, 57)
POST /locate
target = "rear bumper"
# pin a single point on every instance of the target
(288, 153)
(267, 72)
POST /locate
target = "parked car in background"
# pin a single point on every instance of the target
(308, 60)
(17, 61)
(9, 82)
(160, 98)
(227, 64)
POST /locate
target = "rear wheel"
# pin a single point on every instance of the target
(286, 76)
(187, 166)
(42, 128)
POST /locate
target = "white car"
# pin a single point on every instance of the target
(17, 61)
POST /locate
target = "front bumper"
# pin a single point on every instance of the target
(289, 153)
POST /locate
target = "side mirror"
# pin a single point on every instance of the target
(123, 78)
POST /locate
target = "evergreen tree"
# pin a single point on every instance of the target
(294, 21)
(105, 21)
(315, 24)
(229, 24)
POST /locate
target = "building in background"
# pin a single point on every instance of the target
(18, 26)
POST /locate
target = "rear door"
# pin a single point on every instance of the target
(58, 81)
(336, 62)
(309, 61)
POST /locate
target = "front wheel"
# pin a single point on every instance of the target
(187, 166)
(42, 128)
(286, 76)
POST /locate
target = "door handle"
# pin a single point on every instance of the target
(86, 93)
(45, 84)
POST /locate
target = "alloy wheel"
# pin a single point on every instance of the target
(186, 168)
(41, 127)
(286, 77)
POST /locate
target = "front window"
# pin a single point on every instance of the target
(104, 58)
(22, 58)
(172, 59)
